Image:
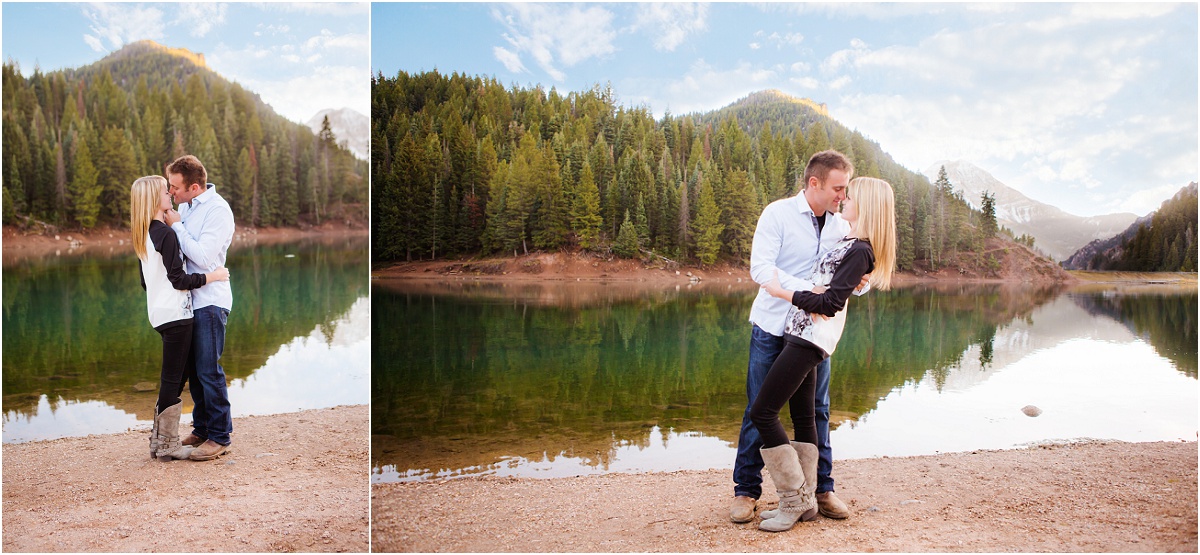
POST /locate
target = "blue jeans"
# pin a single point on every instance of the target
(747, 468)
(211, 418)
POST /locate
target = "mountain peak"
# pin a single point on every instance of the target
(1055, 231)
(148, 46)
(770, 96)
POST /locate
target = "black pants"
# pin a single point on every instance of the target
(177, 345)
(791, 380)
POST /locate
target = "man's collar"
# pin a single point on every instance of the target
(804, 206)
(201, 198)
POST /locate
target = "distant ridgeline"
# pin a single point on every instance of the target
(463, 165)
(76, 139)
(1163, 241)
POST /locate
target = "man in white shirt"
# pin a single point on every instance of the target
(204, 226)
(789, 235)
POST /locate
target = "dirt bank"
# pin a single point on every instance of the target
(1019, 265)
(21, 245)
(294, 482)
(1094, 496)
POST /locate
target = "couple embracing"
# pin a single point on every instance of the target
(188, 299)
(810, 253)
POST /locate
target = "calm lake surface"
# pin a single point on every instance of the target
(81, 358)
(565, 378)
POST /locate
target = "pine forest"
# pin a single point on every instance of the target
(1167, 244)
(76, 139)
(462, 165)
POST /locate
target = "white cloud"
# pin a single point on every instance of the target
(1056, 110)
(200, 18)
(791, 39)
(510, 59)
(705, 87)
(94, 43)
(755, 46)
(1083, 14)
(272, 30)
(327, 40)
(805, 82)
(554, 33)
(839, 83)
(115, 25)
(334, 9)
(300, 79)
(670, 23)
(301, 95)
(855, 10)
(842, 58)
(1121, 11)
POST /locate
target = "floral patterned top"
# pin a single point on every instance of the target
(840, 269)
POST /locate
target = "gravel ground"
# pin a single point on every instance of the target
(1085, 496)
(293, 482)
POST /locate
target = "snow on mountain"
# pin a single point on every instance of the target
(1055, 232)
(352, 129)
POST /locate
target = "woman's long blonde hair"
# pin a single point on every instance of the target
(143, 206)
(876, 223)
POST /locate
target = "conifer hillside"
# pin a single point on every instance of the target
(74, 141)
(463, 165)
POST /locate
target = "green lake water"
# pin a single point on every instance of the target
(571, 378)
(81, 358)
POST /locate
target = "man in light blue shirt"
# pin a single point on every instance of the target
(789, 235)
(204, 226)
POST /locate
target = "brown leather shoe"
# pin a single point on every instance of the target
(208, 451)
(192, 440)
(832, 507)
(742, 509)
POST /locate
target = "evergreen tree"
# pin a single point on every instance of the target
(740, 215)
(684, 228)
(626, 245)
(707, 226)
(585, 214)
(116, 174)
(85, 193)
(640, 223)
(552, 216)
(287, 184)
(10, 212)
(988, 207)
(749, 155)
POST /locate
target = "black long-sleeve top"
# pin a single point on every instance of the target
(167, 244)
(858, 261)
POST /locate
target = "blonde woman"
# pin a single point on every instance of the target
(168, 304)
(869, 249)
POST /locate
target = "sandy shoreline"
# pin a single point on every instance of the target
(1087, 496)
(294, 482)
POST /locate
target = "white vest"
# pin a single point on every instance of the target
(825, 334)
(164, 303)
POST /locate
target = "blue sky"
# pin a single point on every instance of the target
(301, 58)
(1088, 107)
